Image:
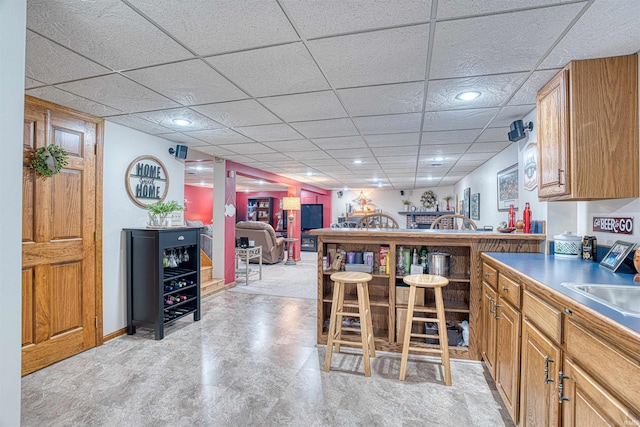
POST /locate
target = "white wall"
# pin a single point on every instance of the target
(12, 45)
(121, 146)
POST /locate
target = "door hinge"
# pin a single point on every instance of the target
(96, 322)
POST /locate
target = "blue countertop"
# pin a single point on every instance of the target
(551, 271)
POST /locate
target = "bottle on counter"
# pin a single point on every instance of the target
(415, 257)
(512, 216)
(526, 217)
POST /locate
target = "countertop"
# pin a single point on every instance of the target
(551, 271)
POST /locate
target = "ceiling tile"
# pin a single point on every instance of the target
(428, 151)
(349, 153)
(139, 124)
(166, 118)
(494, 91)
(187, 82)
(608, 28)
(220, 26)
(392, 140)
(219, 136)
(340, 142)
(457, 8)
(377, 57)
(528, 92)
(270, 71)
(450, 136)
(488, 147)
(409, 151)
(326, 128)
(49, 62)
(511, 113)
(316, 19)
(31, 83)
(295, 145)
(118, 92)
(271, 157)
(498, 43)
(475, 157)
(213, 150)
(384, 99)
(53, 94)
(265, 133)
(189, 141)
(494, 134)
(107, 31)
(308, 155)
(325, 164)
(238, 113)
(247, 149)
(458, 119)
(395, 123)
(306, 106)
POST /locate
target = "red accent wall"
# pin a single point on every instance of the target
(242, 202)
(199, 204)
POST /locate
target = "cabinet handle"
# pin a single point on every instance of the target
(491, 309)
(504, 288)
(495, 311)
(562, 377)
(560, 172)
(486, 274)
(569, 312)
(547, 360)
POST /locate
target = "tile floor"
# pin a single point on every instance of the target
(252, 361)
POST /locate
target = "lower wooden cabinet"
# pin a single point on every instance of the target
(508, 355)
(588, 403)
(539, 376)
(489, 300)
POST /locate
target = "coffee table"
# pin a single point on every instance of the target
(244, 255)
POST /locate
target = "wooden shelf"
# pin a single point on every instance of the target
(450, 306)
(373, 301)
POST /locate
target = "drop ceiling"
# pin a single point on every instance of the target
(306, 88)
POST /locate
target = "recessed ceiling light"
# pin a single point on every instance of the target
(357, 162)
(181, 122)
(309, 173)
(468, 96)
(246, 190)
(379, 184)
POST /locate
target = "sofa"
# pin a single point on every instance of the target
(263, 235)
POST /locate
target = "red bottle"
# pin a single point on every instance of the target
(526, 218)
(512, 217)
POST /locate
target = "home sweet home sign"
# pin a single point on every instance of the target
(147, 181)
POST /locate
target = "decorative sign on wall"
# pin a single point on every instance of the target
(147, 181)
(615, 225)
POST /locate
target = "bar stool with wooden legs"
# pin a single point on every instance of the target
(436, 283)
(361, 280)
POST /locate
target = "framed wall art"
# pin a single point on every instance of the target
(475, 206)
(507, 181)
(530, 158)
(467, 202)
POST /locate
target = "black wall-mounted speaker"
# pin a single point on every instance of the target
(180, 151)
(517, 130)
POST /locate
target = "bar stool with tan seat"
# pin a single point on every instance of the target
(361, 280)
(436, 283)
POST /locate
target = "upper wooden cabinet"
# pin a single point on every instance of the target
(588, 131)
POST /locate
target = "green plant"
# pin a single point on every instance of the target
(406, 202)
(161, 207)
(447, 198)
(48, 161)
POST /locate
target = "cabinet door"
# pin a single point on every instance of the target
(508, 355)
(588, 403)
(539, 376)
(489, 300)
(553, 142)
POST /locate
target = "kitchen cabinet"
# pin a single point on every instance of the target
(588, 131)
(541, 361)
(489, 300)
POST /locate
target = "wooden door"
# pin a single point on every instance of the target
(508, 355)
(489, 301)
(553, 139)
(539, 373)
(588, 403)
(61, 305)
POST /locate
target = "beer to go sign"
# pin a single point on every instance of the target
(613, 225)
(147, 181)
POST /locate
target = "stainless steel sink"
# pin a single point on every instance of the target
(622, 298)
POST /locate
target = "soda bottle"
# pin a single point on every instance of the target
(526, 217)
(512, 216)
